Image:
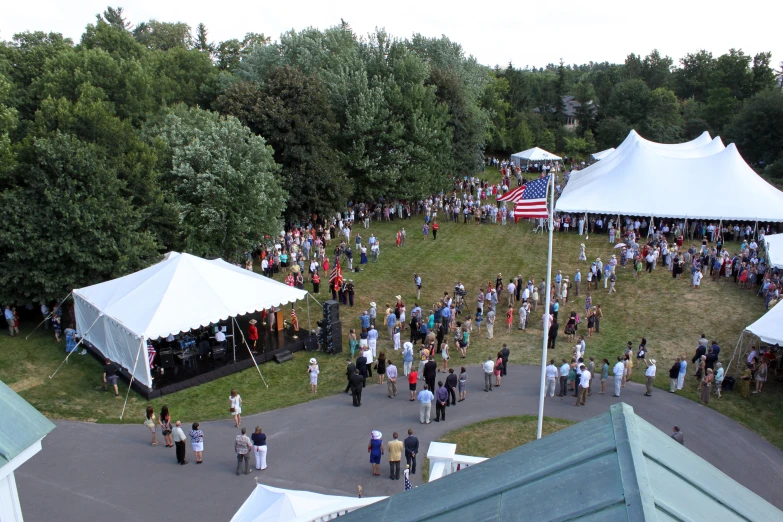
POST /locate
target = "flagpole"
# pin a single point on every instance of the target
(546, 312)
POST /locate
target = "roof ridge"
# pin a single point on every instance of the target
(639, 502)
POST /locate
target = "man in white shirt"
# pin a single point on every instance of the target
(649, 375)
(512, 288)
(618, 371)
(265, 267)
(564, 369)
(179, 441)
(584, 386)
(489, 368)
(220, 336)
(551, 378)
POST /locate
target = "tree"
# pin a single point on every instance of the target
(223, 181)
(546, 140)
(291, 111)
(758, 128)
(67, 223)
(694, 78)
(575, 146)
(663, 121)
(763, 76)
(163, 36)
(8, 123)
(202, 41)
(231, 52)
(629, 101)
(732, 71)
(611, 132)
(494, 103)
(720, 108)
(115, 17)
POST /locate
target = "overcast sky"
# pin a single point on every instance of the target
(526, 33)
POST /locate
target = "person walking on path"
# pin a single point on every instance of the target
(441, 399)
(411, 445)
(259, 448)
(197, 442)
(463, 384)
(618, 371)
(395, 456)
(391, 379)
(489, 370)
(235, 407)
(584, 386)
(451, 386)
(151, 424)
(242, 447)
(649, 376)
(375, 449)
(357, 384)
(179, 441)
(165, 426)
(425, 398)
(563, 374)
(551, 378)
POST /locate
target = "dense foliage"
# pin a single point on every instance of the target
(148, 137)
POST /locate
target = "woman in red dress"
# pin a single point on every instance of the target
(252, 333)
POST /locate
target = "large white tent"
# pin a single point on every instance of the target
(534, 154)
(775, 250)
(700, 179)
(178, 294)
(268, 504)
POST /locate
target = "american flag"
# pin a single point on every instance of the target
(294, 320)
(513, 195)
(336, 277)
(533, 202)
(408, 484)
(151, 353)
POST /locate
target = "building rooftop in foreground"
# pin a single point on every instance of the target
(616, 466)
(21, 425)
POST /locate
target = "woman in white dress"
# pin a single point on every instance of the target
(235, 404)
(313, 371)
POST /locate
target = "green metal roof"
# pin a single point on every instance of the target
(616, 466)
(21, 425)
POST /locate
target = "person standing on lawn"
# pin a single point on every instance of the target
(435, 228)
(110, 377)
(490, 323)
(674, 375)
(649, 376)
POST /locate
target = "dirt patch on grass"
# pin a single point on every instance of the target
(26, 384)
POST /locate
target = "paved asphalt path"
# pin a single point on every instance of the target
(110, 472)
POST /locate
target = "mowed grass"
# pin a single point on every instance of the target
(495, 436)
(668, 312)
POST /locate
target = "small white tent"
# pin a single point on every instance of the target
(534, 154)
(775, 250)
(268, 504)
(603, 154)
(178, 294)
(708, 181)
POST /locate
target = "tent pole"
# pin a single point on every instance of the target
(542, 390)
(48, 316)
(77, 345)
(233, 340)
(755, 228)
(133, 374)
(250, 352)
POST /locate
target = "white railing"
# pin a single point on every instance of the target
(444, 460)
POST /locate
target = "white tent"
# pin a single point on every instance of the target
(178, 294)
(769, 327)
(703, 181)
(775, 250)
(534, 154)
(604, 153)
(268, 504)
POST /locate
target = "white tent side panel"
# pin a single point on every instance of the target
(111, 339)
(775, 249)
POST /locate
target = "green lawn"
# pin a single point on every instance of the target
(668, 313)
(492, 437)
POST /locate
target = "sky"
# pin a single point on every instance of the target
(525, 33)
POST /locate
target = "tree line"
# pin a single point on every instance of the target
(140, 139)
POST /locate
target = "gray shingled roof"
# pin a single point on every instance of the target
(615, 466)
(21, 425)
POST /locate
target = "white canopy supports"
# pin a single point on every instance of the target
(269, 504)
(180, 293)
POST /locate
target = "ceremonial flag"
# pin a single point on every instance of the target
(151, 353)
(513, 195)
(408, 484)
(336, 277)
(533, 201)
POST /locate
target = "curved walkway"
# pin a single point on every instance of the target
(101, 471)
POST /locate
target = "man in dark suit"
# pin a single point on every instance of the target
(361, 365)
(357, 383)
(349, 373)
(451, 386)
(504, 353)
(411, 445)
(430, 372)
